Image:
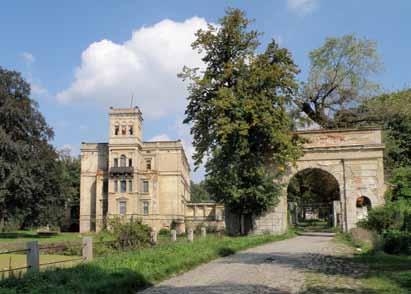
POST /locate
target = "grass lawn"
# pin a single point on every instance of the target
(387, 273)
(19, 260)
(314, 226)
(129, 271)
(18, 240)
(25, 236)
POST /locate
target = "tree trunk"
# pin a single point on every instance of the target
(242, 227)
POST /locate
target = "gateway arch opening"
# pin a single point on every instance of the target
(313, 197)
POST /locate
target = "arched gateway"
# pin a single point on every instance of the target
(353, 157)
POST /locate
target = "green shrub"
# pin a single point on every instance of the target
(396, 242)
(394, 215)
(400, 184)
(130, 233)
(164, 232)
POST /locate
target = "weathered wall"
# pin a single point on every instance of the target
(168, 177)
(93, 163)
(208, 213)
(353, 157)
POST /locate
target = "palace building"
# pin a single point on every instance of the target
(129, 177)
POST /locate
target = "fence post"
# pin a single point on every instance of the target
(203, 232)
(173, 235)
(33, 256)
(88, 248)
(154, 236)
(190, 235)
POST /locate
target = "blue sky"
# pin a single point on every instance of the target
(83, 56)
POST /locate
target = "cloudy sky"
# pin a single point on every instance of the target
(83, 56)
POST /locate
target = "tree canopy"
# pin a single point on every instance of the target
(237, 109)
(340, 79)
(199, 192)
(30, 173)
(313, 186)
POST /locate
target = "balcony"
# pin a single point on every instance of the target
(122, 171)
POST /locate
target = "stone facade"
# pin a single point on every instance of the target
(354, 157)
(208, 213)
(131, 178)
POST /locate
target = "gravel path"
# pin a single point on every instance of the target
(279, 267)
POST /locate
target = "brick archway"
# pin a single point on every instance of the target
(354, 157)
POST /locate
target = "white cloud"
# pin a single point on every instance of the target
(145, 66)
(27, 57)
(161, 137)
(38, 90)
(302, 6)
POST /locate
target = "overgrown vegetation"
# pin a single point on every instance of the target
(237, 108)
(133, 270)
(129, 234)
(33, 181)
(199, 192)
(393, 220)
(339, 80)
(385, 273)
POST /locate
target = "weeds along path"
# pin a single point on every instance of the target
(304, 264)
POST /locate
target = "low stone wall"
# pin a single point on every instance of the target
(209, 214)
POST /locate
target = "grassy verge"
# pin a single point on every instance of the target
(31, 235)
(8, 261)
(130, 271)
(387, 273)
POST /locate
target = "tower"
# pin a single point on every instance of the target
(125, 126)
(125, 144)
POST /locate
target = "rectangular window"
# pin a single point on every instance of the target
(123, 186)
(145, 186)
(123, 160)
(115, 186)
(148, 164)
(130, 185)
(122, 207)
(115, 162)
(145, 207)
(130, 162)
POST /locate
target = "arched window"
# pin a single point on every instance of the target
(123, 161)
(363, 201)
(363, 204)
(130, 130)
(116, 130)
(123, 130)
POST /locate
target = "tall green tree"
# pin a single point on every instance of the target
(70, 185)
(30, 176)
(340, 79)
(199, 192)
(392, 112)
(237, 108)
